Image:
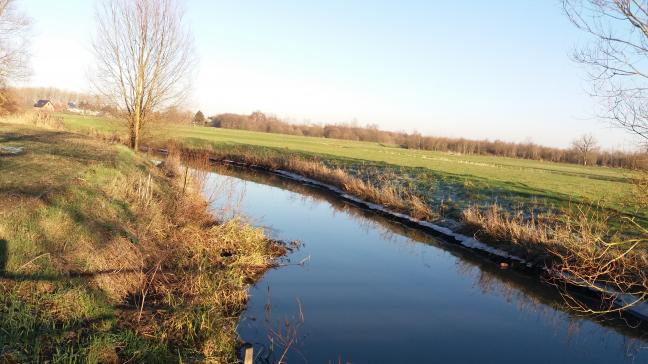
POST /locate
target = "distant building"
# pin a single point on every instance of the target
(73, 108)
(44, 105)
(80, 109)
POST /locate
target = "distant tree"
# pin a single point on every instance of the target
(14, 41)
(174, 115)
(8, 104)
(585, 146)
(259, 121)
(199, 118)
(144, 56)
(617, 59)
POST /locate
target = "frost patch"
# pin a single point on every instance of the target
(11, 150)
(466, 241)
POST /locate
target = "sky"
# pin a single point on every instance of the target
(473, 69)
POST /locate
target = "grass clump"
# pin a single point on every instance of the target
(104, 258)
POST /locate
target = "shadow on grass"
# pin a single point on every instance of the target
(28, 136)
(4, 255)
(36, 338)
(56, 277)
(67, 145)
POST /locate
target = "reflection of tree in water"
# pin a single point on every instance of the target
(527, 293)
(543, 301)
(311, 198)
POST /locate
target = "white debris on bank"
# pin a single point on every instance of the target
(464, 240)
(473, 243)
(11, 150)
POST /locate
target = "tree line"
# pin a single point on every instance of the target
(588, 154)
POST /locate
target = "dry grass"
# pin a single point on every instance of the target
(104, 256)
(538, 236)
(384, 194)
(36, 118)
(497, 225)
(614, 267)
(579, 251)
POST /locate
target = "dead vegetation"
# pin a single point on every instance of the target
(383, 192)
(36, 118)
(579, 250)
(614, 268)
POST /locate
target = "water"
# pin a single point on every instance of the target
(373, 291)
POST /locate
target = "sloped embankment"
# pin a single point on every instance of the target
(106, 258)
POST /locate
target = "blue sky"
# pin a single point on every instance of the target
(475, 69)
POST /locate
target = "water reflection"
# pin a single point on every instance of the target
(378, 291)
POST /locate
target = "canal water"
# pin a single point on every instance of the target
(363, 289)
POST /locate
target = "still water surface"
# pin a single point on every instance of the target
(373, 291)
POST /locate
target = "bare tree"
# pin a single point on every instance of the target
(14, 42)
(617, 58)
(145, 58)
(585, 146)
(617, 61)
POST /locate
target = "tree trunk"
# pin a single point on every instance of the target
(135, 128)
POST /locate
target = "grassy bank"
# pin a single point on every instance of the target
(105, 257)
(586, 222)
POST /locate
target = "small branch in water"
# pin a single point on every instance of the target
(301, 263)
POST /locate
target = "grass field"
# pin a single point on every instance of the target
(441, 178)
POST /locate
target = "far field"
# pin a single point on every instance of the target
(442, 178)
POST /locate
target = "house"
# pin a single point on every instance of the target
(73, 108)
(44, 105)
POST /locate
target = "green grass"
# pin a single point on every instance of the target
(53, 212)
(77, 238)
(441, 178)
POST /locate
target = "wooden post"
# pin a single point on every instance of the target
(249, 355)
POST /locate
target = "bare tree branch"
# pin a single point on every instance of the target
(617, 59)
(14, 43)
